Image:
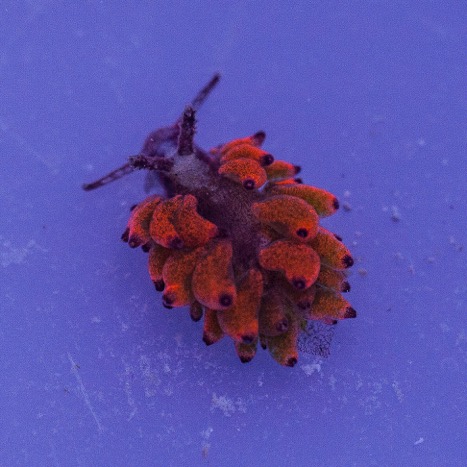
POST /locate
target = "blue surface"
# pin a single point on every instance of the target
(368, 97)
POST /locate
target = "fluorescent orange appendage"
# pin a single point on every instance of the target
(246, 151)
(331, 305)
(245, 352)
(255, 140)
(196, 311)
(192, 229)
(213, 283)
(247, 172)
(333, 279)
(211, 329)
(140, 218)
(283, 347)
(162, 229)
(157, 257)
(176, 274)
(331, 250)
(288, 215)
(281, 169)
(241, 321)
(272, 317)
(301, 300)
(299, 263)
(325, 203)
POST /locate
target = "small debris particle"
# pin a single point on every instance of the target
(206, 434)
(457, 246)
(397, 391)
(223, 403)
(205, 451)
(311, 368)
(419, 441)
(261, 379)
(395, 214)
(444, 327)
(10, 254)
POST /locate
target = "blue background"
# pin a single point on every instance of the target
(368, 96)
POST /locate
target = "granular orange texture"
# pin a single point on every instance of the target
(213, 279)
(137, 232)
(299, 263)
(240, 322)
(289, 216)
(247, 172)
(324, 202)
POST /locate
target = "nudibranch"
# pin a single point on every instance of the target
(236, 237)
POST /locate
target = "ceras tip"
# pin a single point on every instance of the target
(350, 313)
(159, 285)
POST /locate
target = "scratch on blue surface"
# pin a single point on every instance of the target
(87, 401)
(25, 146)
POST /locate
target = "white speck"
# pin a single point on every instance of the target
(455, 243)
(398, 391)
(347, 207)
(207, 433)
(419, 441)
(129, 393)
(23, 143)
(444, 327)
(12, 255)
(461, 338)
(311, 368)
(241, 405)
(260, 379)
(222, 403)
